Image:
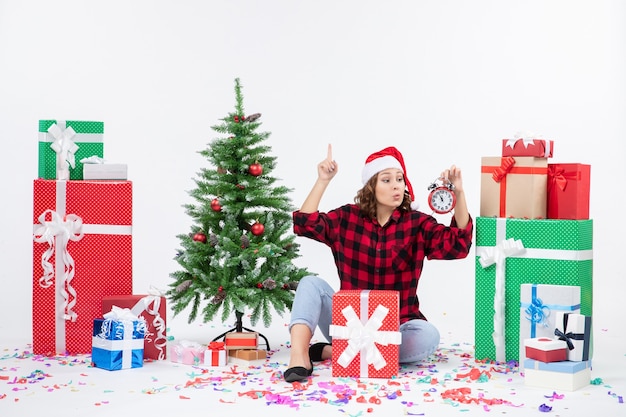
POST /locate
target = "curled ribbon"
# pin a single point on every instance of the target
(57, 233)
(497, 255)
(151, 305)
(64, 147)
(505, 166)
(537, 312)
(363, 337)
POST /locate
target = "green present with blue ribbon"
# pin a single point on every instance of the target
(511, 252)
(64, 143)
(118, 340)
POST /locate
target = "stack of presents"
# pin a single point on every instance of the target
(534, 265)
(533, 277)
(239, 345)
(83, 299)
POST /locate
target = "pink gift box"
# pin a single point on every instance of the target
(374, 317)
(187, 352)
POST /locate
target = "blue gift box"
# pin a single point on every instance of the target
(564, 375)
(564, 367)
(118, 344)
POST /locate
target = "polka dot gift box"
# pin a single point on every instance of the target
(70, 140)
(511, 252)
(82, 252)
(365, 332)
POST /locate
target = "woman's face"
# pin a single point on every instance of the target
(390, 188)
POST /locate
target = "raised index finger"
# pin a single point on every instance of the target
(329, 155)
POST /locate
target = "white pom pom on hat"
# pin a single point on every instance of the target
(389, 157)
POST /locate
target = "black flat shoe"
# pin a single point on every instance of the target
(298, 373)
(315, 351)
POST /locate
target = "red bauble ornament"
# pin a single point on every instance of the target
(215, 205)
(257, 229)
(259, 285)
(255, 169)
(220, 289)
(200, 237)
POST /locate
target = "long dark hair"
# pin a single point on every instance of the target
(366, 199)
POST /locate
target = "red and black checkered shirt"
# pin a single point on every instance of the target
(390, 257)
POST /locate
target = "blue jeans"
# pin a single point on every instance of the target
(312, 306)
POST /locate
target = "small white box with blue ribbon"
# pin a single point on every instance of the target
(118, 340)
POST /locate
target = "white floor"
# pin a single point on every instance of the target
(69, 386)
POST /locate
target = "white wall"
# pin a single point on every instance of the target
(444, 81)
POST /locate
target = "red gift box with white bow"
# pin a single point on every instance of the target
(521, 146)
(365, 331)
(82, 252)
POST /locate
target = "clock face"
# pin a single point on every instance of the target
(442, 200)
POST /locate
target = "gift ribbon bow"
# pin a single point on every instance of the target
(497, 255)
(363, 337)
(57, 232)
(506, 164)
(216, 346)
(527, 139)
(569, 336)
(63, 145)
(537, 312)
(558, 177)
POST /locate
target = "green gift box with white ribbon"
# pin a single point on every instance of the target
(64, 143)
(511, 252)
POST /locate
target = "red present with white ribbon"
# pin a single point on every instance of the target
(215, 355)
(150, 307)
(527, 145)
(365, 332)
(82, 252)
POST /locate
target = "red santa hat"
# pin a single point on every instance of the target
(384, 159)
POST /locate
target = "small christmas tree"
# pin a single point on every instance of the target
(239, 254)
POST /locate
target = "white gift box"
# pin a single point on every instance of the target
(557, 376)
(215, 357)
(105, 171)
(539, 304)
(576, 330)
